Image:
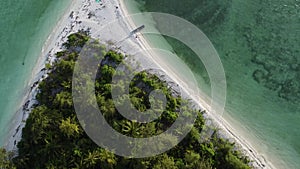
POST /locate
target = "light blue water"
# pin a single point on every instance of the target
(259, 46)
(24, 27)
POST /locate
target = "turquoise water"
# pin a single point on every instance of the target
(24, 27)
(259, 45)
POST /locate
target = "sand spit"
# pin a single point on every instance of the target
(91, 15)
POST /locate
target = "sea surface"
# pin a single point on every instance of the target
(259, 45)
(24, 28)
(257, 40)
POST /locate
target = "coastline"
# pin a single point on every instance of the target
(226, 129)
(39, 73)
(68, 25)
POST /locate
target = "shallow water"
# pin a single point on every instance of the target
(258, 43)
(24, 27)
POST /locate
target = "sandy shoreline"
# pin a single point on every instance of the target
(84, 14)
(226, 130)
(52, 45)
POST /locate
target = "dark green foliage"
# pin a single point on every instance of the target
(76, 41)
(5, 160)
(53, 137)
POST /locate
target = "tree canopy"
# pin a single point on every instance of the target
(53, 137)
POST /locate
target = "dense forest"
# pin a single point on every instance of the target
(53, 137)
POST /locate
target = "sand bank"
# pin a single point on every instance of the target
(88, 14)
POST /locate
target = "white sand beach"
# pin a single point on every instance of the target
(89, 14)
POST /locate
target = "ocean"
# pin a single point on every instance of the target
(24, 28)
(259, 46)
(258, 43)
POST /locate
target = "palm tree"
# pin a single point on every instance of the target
(131, 128)
(92, 159)
(5, 159)
(38, 122)
(63, 99)
(165, 162)
(108, 159)
(69, 128)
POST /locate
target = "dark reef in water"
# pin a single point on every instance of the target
(206, 14)
(275, 47)
(272, 39)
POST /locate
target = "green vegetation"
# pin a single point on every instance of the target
(6, 159)
(53, 137)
